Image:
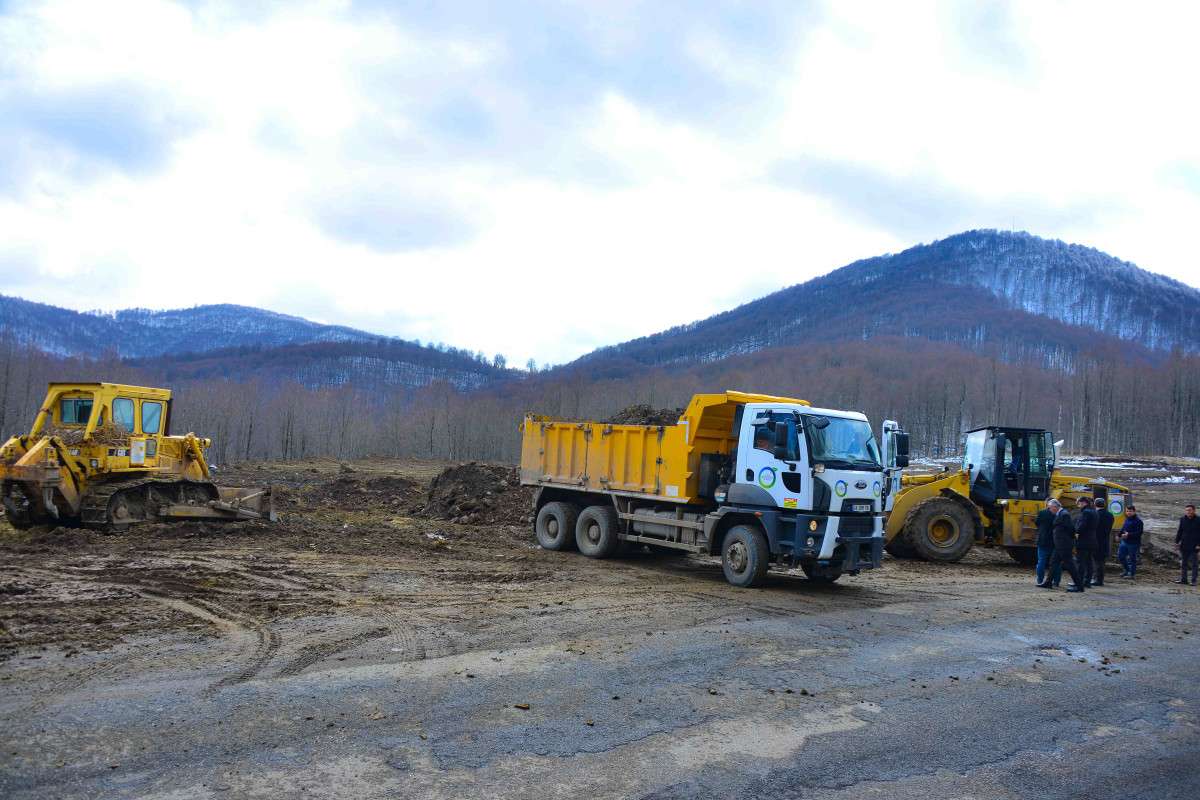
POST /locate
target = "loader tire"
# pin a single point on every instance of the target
(596, 532)
(744, 556)
(900, 547)
(940, 529)
(555, 526)
(1025, 556)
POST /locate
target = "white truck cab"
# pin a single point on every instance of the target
(824, 472)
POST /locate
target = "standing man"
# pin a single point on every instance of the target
(1188, 539)
(1064, 540)
(1045, 548)
(1104, 526)
(1085, 538)
(1131, 542)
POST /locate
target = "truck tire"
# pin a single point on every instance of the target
(555, 526)
(744, 556)
(1025, 556)
(596, 532)
(940, 529)
(819, 574)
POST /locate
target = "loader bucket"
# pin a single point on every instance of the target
(232, 503)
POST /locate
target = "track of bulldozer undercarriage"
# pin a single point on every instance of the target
(94, 511)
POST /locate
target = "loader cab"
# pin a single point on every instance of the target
(1008, 463)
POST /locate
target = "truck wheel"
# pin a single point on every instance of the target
(818, 574)
(596, 532)
(555, 526)
(940, 529)
(744, 556)
(1025, 556)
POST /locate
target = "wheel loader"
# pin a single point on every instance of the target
(100, 455)
(1007, 474)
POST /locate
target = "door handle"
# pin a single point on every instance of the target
(749, 474)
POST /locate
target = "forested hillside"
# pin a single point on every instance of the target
(972, 330)
(1012, 295)
(140, 332)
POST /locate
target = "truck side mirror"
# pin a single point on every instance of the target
(901, 462)
(901, 446)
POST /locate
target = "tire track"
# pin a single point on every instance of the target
(317, 652)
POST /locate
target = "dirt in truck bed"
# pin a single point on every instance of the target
(645, 415)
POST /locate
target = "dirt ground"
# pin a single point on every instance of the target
(399, 634)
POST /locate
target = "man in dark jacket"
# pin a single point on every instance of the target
(1104, 526)
(1188, 540)
(1131, 542)
(1045, 547)
(1085, 538)
(1064, 541)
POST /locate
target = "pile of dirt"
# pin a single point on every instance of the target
(645, 415)
(480, 494)
(352, 491)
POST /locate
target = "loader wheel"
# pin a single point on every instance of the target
(596, 532)
(818, 574)
(900, 547)
(744, 556)
(940, 530)
(555, 526)
(1025, 556)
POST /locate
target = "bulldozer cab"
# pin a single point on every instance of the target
(1008, 464)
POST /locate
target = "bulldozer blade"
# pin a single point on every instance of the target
(233, 503)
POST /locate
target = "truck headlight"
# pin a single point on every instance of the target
(812, 525)
(811, 541)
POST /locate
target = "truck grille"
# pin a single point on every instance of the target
(856, 525)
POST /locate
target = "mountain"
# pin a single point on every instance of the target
(243, 343)
(1014, 295)
(139, 332)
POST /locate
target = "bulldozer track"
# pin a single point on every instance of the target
(93, 509)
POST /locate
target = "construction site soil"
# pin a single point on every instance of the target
(398, 633)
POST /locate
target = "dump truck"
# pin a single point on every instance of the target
(1006, 476)
(753, 478)
(101, 455)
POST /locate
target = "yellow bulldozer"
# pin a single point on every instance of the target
(1006, 476)
(100, 455)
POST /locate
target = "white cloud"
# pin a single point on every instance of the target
(499, 193)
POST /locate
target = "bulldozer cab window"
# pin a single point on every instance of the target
(122, 413)
(151, 417)
(75, 410)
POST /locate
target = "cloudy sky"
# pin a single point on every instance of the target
(538, 178)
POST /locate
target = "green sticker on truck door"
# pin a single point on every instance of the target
(766, 477)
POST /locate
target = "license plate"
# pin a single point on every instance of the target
(860, 507)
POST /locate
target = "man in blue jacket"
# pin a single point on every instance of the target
(1188, 540)
(1131, 542)
(1045, 548)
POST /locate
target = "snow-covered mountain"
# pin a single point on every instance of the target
(242, 343)
(1018, 296)
(140, 332)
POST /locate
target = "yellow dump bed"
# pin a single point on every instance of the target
(659, 461)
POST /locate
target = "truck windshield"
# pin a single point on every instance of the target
(842, 443)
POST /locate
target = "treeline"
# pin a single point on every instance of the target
(935, 389)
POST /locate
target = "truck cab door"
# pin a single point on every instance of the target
(893, 445)
(769, 457)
